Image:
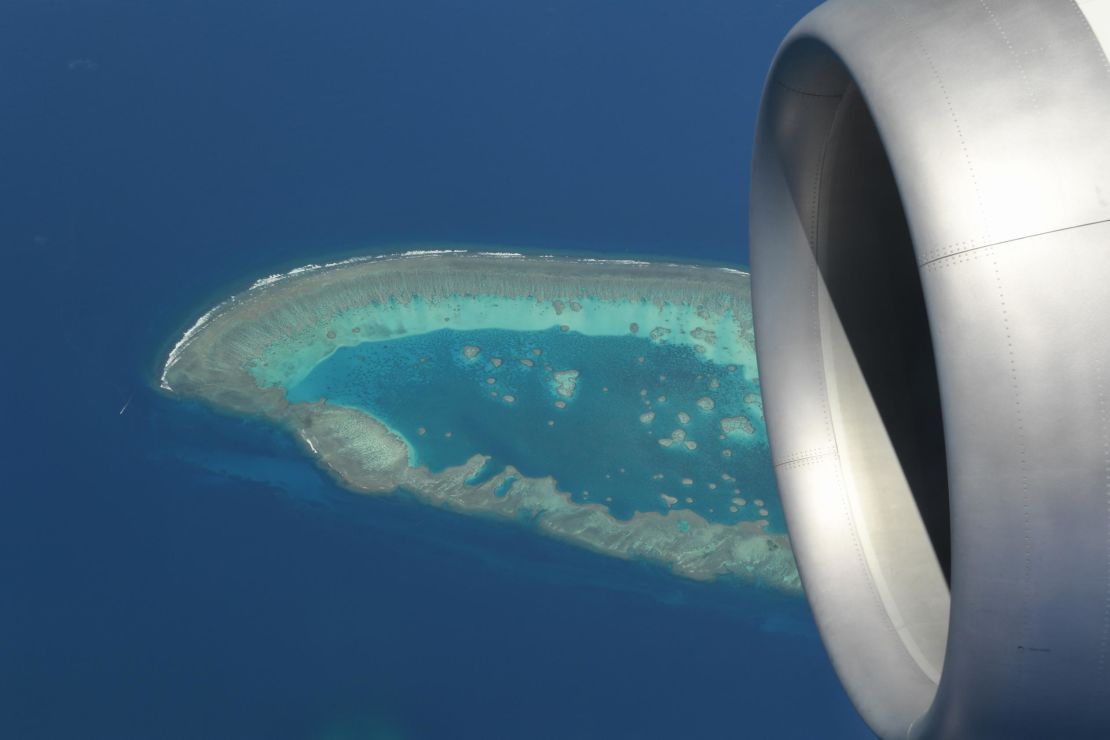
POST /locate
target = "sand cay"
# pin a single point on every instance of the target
(244, 354)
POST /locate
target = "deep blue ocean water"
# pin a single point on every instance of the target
(171, 573)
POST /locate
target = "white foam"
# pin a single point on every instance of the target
(593, 260)
(271, 279)
(182, 343)
(175, 353)
(422, 252)
(308, 442)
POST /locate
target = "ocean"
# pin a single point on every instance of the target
(169, 572)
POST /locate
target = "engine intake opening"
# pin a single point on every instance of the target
(865, 255)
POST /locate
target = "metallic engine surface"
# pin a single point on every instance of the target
(931, 189)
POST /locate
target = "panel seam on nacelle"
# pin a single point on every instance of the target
(808, 94)
(976, 247)
(1105, 639)
(1013, 53)
(903, 16)
(803, 454)
(802, 462)
(1098, 42)
(1023, 456)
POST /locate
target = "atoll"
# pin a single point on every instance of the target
(244, 355)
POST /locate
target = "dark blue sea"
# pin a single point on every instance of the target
(167, 572)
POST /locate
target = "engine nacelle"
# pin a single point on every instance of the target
(930, 245)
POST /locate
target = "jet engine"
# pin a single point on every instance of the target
(930, 249)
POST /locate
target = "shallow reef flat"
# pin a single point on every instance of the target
(610, 404)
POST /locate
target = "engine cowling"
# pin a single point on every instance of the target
(930, 247)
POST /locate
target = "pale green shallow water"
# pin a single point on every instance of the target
(288, 364)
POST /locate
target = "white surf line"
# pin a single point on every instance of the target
(187, 337)
(312, 266)
(308, 442)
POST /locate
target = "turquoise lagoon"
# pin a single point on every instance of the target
(601, 444)
(612, 405)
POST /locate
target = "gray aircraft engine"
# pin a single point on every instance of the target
(930, 246)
